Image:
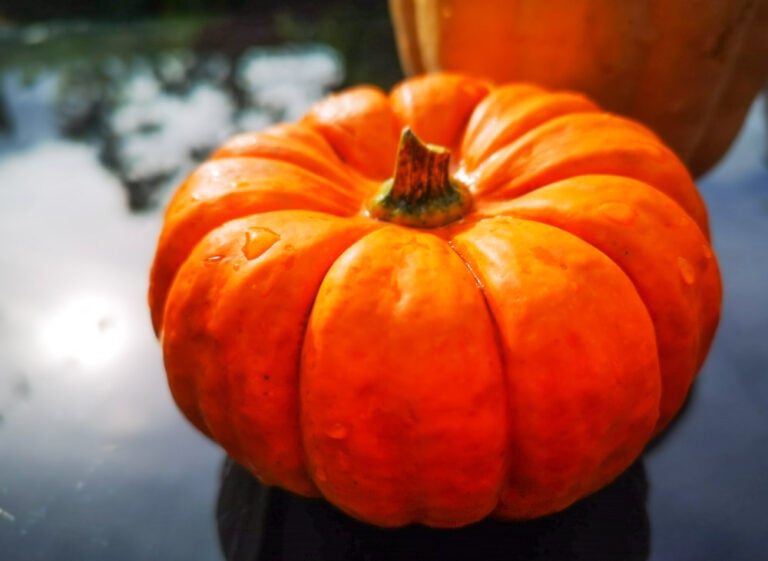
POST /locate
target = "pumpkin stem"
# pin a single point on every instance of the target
(421, 193)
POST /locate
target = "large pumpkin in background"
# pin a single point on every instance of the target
(689, 69)
(495, 323)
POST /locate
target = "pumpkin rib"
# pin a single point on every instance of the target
(450, 235)
(438, 108)
(587, 144)
(486, 112)
(190, 377)
(384, 410)
(296, 145)
(363, 229)
(604, 211)
(233, 193)
(550, 469)
(344, 119)
(275, 262)
(510, 112)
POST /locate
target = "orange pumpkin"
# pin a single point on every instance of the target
(686, 68)
(495, 330)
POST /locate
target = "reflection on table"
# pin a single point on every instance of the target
(257, 523)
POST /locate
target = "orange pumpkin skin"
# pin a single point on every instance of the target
(687, 69)
(505, 364)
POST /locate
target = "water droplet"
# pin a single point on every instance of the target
(320, 475)
(620, 213)
(687, 272)
(213, 259)
(257, 241)
(707, 250)
(338, 431)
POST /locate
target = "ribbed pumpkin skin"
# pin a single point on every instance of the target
(688, 69)
(506, 364)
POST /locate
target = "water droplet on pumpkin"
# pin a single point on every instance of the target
(338, 431)
(687, 272)
(257, 241)
(620, 213)
(707, 250)
(213, 259)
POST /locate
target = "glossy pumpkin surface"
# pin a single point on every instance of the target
(687, 69)
(507, 362)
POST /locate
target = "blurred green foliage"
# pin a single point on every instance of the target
(39, 36)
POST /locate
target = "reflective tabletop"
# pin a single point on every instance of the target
(96, 462)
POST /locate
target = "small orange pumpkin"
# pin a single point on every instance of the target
(687, 69)
(498, 329)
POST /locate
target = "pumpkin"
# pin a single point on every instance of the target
(497, 327)
(686, 68)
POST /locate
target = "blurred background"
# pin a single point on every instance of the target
(121, 75)
(104, 107)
